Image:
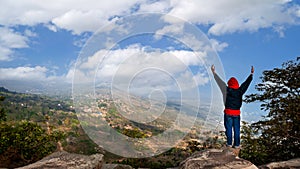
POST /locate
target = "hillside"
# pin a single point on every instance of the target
(61, 116)
(51, 113)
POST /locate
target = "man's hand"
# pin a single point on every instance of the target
(252, 69)
(213, 69)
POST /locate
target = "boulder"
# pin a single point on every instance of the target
(290, 164)
(217, 159)
(116, 166)
(65, 160)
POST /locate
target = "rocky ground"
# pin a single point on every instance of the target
(212, 158)
(65, 160)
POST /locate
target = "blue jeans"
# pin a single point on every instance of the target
(229, 123)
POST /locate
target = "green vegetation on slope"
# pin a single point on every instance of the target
(31, 126)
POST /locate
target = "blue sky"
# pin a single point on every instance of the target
(41, 41)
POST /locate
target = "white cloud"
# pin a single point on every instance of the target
(173, 29)
(297, 11)
(5, 53)
(225, 16)
(143, 67)
(80, 21)
(157, 6)
(34, 74)
(222, 16)
(188, 35)
(9, 40)
(218, 46)
(229, 16)
(23, 73)
(188, 57)
(81, 41)
(29, 33)
(12, 39)
(76, 16)
(51, 27)
(35, 78)
(201, 78)
(280, 31)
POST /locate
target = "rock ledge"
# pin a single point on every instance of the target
(65, 160)
(217, 159)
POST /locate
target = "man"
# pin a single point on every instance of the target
(232, 97)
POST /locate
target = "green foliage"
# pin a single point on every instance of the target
(24, 142)
(278, 136)
(102, 105)
(134, 133)
(254, 148)
(20, 106)
(2, 112)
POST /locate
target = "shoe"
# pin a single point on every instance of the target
(237, 147)
(236, 151)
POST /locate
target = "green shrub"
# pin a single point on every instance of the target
(25, 142)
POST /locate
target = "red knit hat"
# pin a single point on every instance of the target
(233, 83)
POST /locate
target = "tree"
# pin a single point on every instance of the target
(279, 131)
(2, 111)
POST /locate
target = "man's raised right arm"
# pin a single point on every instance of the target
(222, 85)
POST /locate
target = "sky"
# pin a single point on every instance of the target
(42, 43)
